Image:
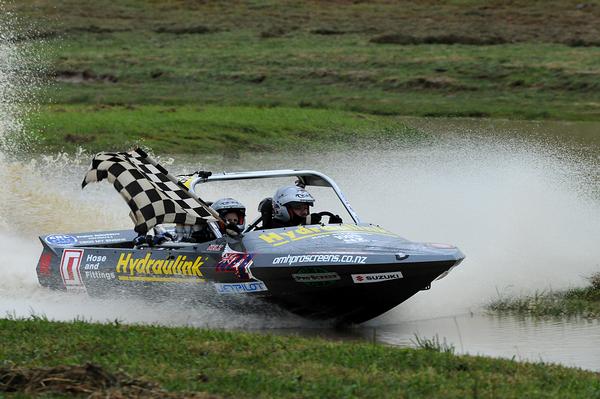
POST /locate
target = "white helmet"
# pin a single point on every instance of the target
(289, 196)
(225, 205)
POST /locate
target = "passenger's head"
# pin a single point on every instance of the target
(231, 217)
(231, 211)
(291, 202)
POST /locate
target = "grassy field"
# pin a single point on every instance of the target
(210, 129)
(521, 60)
(179, 361)
(574, 302)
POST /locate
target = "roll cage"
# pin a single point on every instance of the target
(305, 177)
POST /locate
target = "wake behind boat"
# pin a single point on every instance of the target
(349, 271)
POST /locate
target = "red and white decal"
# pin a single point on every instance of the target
(44, 264)
(69, 269)
(375, 277)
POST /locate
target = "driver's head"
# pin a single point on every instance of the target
(291, 202)
(299, 209)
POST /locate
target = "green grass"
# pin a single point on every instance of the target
(541, 61)
(519, 81)
(433, 344)
(236, 364)
(195, 129)
(573, 302)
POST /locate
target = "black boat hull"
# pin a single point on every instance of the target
(350, 273)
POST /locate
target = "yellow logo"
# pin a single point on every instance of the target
(163, 270)
(302, 232)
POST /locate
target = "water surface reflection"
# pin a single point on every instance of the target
(573, 342)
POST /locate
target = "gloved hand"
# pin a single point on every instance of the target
(159, 239)
(139, 240)
(152, 240)
(313, 218)
(335, 219)
(232, 230)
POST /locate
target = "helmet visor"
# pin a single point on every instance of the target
(299, 208)
(299, 205)
(232, 216)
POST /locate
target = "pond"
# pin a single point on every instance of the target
(520, 199)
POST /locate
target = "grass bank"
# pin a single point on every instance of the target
(574, 302)
(235, 364)
(198, 129)
(520, 60)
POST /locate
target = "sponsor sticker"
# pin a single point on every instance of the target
(302, 232)
(101, 238)
(99, 275)
(236, 262)
(303, 195)
(316, 276)
(176, 270)
(92, 270)
(215, 247)
(319, 258)
(69, 269)
(57, 239)
(350, 238)
(240, 288)
(185, 180)
(375, 277)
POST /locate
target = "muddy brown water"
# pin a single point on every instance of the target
(521, 199)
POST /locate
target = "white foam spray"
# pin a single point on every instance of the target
(22, 68)
(9, 78)
(520, 200)
(524, 210)
(524, 218)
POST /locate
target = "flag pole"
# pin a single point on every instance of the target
(174, 180)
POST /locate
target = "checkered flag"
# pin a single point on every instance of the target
(153, 195)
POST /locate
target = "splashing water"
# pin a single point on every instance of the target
(21, 70)
(42, 194)
(523, 212)
(524, 217)
(9, 78)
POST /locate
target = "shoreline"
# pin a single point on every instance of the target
(195, 129)
(581, 301)
(250, 364)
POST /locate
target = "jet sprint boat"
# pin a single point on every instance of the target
(350, 272)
